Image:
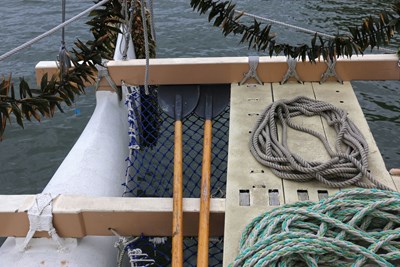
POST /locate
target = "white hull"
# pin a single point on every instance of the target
(94, 167)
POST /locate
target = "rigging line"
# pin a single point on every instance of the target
(63, 20)
(146, 47)
(49, 32)
(153, 31)
(283, 24)
(297, 27)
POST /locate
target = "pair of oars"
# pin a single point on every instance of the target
(178, 101)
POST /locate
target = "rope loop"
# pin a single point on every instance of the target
(348, 163)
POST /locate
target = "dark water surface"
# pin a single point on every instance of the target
(29, 158)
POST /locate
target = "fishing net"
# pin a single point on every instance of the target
(150, 166)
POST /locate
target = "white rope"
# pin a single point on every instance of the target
(49, 32)
(137, 257)
(41, 219)
(132, 102)
(297, 27)
(153, 30)
(127, 29)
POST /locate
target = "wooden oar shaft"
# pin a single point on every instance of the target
(204, 222)
(177, 216)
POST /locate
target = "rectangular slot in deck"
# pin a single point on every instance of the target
(247, 103)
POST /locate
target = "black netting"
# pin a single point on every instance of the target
(150, 168)
(161, 253)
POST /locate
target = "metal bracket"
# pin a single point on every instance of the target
(102, 71)
(292, 62)
(41, 219)
(330, 71)
(252, 73)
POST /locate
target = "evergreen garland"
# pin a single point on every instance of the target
(373, 32)
(104, 22)
(38, 103)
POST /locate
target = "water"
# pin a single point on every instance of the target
(29, 157)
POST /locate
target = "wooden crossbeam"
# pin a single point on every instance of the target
(79, 216)
(231, 69)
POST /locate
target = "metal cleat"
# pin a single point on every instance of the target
(292, 62)
(252, 73)
(330, 72)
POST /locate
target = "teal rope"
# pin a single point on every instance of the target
(352, 228)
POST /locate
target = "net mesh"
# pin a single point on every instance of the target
(150, 168)
(150, 165)
(161, 253)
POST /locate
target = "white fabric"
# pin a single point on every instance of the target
(41, 219)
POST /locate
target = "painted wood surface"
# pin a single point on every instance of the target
(232, 69)
(79, 216)
(265, 190)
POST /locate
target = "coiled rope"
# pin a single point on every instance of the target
(352, 228)
(49, 32)
(349, 159)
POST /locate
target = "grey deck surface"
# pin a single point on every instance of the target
(253, 185)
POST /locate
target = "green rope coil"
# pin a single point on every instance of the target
(352, 228)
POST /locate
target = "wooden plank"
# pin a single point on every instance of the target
(305, 145)
(342, 96)
(395, 173)
(79, 216)
(251, 187)
(231, 69)
(247, 193)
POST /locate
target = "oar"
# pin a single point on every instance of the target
(178, 101)
(213, 100)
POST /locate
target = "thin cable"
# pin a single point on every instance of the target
(64, 61)
(283, 24)
(49, 32)
(63, 20)
(153, 30)
(297, 27)
(146, 47)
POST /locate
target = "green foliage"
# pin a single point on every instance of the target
(31, 103)
(373, 32)
(38, 103)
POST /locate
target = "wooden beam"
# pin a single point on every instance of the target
(79, 216)
(231, 69)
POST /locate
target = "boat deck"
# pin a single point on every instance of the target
(252, 188)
